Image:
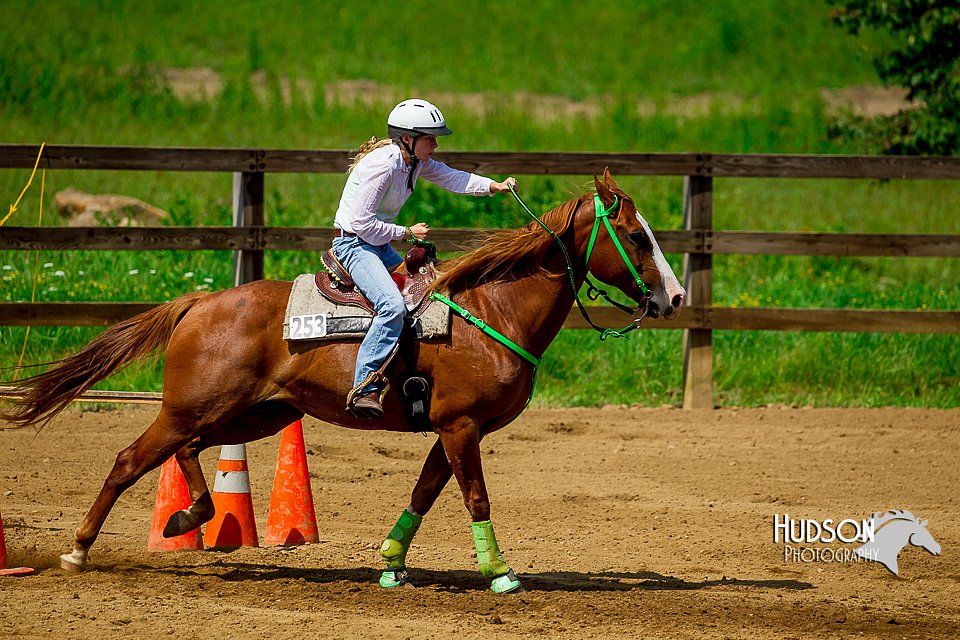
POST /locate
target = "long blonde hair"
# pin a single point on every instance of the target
(367, 147)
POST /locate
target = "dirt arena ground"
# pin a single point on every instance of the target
(621, 522)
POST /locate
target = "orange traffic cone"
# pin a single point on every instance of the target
(234, 524)
(172, 496)
(13, 571)
(291, 519)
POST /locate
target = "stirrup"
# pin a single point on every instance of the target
(354, 395)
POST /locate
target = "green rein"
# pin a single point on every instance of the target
(487, 329)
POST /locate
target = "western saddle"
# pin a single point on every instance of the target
(413, 278)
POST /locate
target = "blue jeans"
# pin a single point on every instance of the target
(368, 266)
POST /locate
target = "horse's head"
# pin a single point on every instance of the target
(665, 295)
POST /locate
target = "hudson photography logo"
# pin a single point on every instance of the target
(876, 539)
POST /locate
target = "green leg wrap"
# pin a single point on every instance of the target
(492, 564)
(394, 548)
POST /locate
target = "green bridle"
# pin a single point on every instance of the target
(593, 292)
(604, 214)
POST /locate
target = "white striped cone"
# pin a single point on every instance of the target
(234, 524)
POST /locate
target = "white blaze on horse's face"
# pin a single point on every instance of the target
(669, 295)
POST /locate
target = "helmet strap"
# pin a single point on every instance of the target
(414, 160)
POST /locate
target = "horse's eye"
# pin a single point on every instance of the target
(640, 239)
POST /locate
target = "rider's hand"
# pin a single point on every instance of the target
(420, 230)
(503, 187)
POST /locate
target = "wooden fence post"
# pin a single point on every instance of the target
(248, 211)
(698, 281)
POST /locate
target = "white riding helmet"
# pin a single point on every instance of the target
(415, 117)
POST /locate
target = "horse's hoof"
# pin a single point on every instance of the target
(507, 583)
(74, 562)
(179, 523)
(391, 579)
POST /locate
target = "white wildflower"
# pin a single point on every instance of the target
(133, 272)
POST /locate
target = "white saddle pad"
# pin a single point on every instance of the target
(310, 316)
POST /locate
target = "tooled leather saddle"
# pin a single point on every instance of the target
(413, 278)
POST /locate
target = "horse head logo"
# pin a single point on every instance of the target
(892, 531)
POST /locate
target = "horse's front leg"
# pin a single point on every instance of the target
(461, 442)
(434, 476)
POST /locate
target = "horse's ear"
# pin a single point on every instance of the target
(608, 178)
(603, 187)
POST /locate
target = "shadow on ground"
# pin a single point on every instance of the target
(459, 581)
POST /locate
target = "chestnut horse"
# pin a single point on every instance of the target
(231, 378)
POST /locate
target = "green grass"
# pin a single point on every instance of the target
(621, 47)
(90, 73)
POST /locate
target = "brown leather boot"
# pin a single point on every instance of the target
(368, 406)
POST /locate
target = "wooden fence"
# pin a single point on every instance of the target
(698, 241)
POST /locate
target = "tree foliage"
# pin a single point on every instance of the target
(924, 57)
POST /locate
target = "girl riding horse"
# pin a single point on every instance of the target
(230, 377)
(381, 178)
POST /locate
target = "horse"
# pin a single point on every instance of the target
(230, 377)
(892, 531)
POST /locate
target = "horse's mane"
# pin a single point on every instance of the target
(507, 254)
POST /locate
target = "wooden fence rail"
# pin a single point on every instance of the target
(698, 241)
(253, 238)
(102, 314)
(717, 165)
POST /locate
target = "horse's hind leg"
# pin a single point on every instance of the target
(158, 443)
(201, 509)
(259, 421)
(147, 452)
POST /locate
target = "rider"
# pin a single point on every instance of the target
(381, 178)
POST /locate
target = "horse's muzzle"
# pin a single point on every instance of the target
(650, 309)
(676, 305)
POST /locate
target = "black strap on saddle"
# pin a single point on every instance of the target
(414, 388)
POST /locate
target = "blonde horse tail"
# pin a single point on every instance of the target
(38, 399)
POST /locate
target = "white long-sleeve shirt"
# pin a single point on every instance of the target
(376, 189)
